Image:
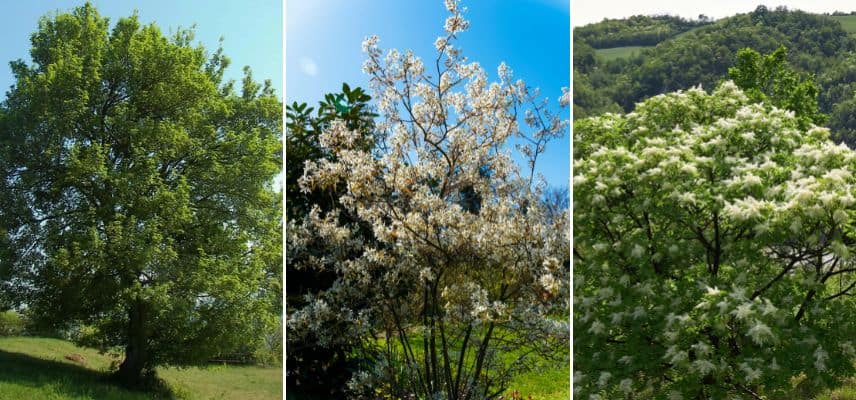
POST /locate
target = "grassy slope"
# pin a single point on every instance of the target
(36, 368)
(619, 52)
(848, 22)
(628, 51)
(547, 384)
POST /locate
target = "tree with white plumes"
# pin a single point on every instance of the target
(465, 264)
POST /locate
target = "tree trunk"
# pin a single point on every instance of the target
(131, 371)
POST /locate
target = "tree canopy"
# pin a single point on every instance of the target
(137, 192)
(768, 79)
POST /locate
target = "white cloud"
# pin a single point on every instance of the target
(308, 66)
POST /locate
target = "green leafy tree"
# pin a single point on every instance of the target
(838, 98)
(713, 244)
(769, 79)
(142, 186)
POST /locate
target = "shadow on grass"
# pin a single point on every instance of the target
(65, 379)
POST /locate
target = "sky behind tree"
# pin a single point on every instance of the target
(590, 11)
(252, 30)
(323, 47)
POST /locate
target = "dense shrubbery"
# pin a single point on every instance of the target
(314, 368)
(11, 323)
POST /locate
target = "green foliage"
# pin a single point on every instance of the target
(140, 191)
(837, 98)
(770, 80)
(11, 323)
(589, 102)
(302, 137)
(585, 57)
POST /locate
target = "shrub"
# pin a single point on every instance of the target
(11, 324)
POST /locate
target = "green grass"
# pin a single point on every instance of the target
(619, 52)
(549, 383)
(547, 380)
(629, 51)
(847, 392)
(848, 22)
(36, 368)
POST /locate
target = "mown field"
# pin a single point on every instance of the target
(36, 368)
(629, 51)
(619, 52)
(549, 383)
(848, 22)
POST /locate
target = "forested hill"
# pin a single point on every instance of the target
(686, 53)
(638, 30)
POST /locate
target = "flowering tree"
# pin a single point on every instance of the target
(464, 265)
(712, 244)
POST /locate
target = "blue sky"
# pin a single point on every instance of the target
(323, 47)
(252, 29)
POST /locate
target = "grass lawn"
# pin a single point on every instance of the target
(548, 380)
(846, 392)
(848, 22)
(36, 368)
(619, 52)
(548, 383)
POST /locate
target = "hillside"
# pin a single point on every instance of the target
(611, 79)
(37, 368)
(638, 30)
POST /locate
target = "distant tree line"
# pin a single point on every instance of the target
(638, 30)
(818, 47)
